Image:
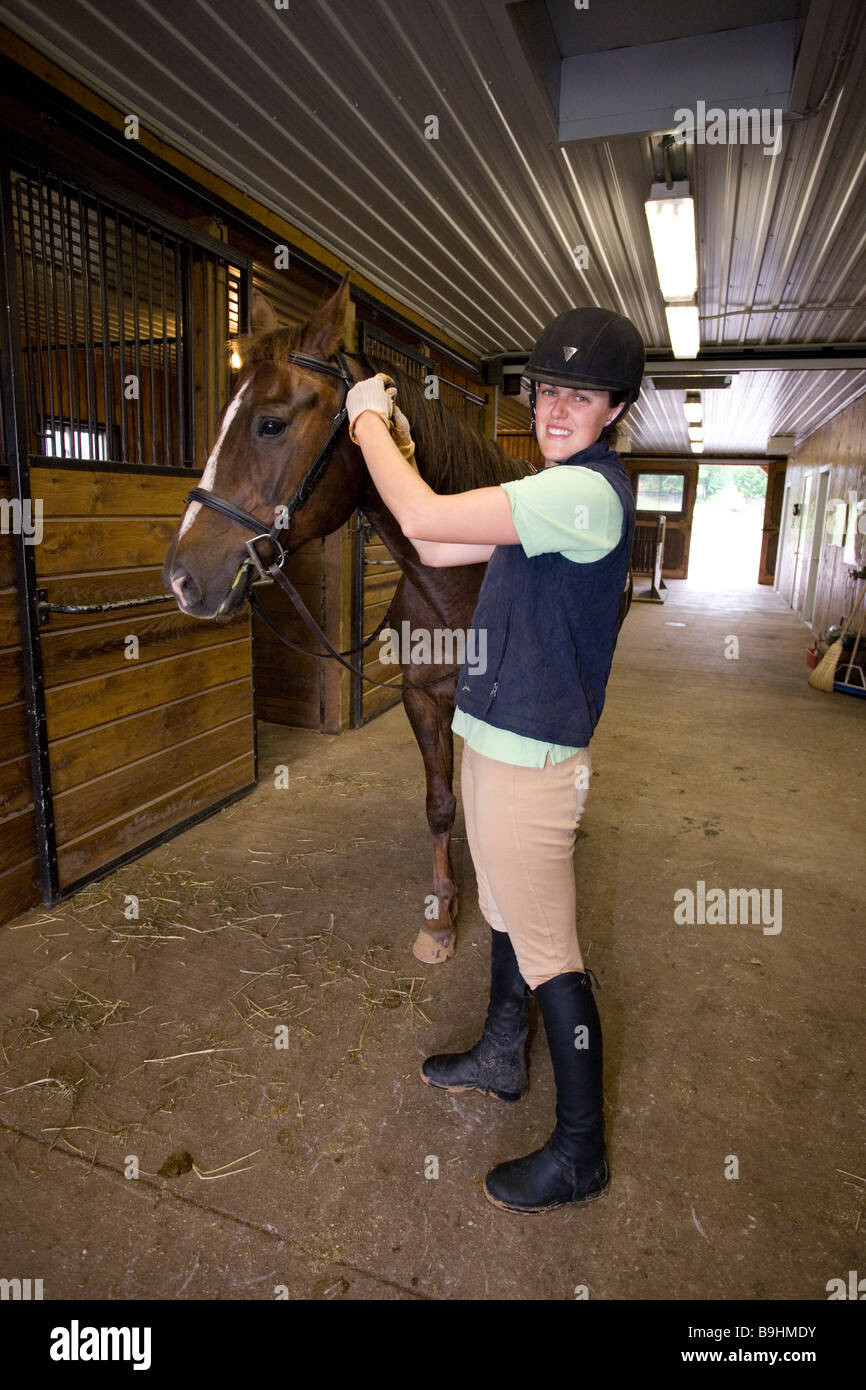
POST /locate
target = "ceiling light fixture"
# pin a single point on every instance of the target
(697, 448)
(693, 408)
(684, 329)
(670, 213)
(689, 381)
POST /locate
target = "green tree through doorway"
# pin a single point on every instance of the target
(727, 526)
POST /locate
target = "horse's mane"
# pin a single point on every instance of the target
(452, 455)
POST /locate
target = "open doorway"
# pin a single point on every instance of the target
(727, 526)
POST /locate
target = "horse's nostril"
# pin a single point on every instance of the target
(183, 586)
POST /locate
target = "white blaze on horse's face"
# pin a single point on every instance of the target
(208, 477)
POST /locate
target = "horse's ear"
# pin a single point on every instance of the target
(323, 334)
(262, 316)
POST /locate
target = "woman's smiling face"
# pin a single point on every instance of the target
(570, 419)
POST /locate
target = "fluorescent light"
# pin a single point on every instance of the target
(693, 407)
(684, 329)
(670, 214)
(696, 433)
(697, 448)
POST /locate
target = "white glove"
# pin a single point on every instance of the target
(376, 393)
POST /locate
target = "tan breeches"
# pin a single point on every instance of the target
(521, 823)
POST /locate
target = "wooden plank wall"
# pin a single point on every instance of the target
(381, 577)
(136, 746)
(513, 432)
(842, 444)
(19, 866)
(289, 686)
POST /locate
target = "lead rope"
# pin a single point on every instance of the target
(44, 608)
(330, 653)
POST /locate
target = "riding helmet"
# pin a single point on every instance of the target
(589, 347)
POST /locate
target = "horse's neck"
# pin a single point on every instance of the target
(430, 582)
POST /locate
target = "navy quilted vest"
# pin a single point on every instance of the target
(551, 629)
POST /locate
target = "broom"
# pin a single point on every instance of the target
(824, 674)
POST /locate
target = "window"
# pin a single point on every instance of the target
(660, 492)
(62, 442)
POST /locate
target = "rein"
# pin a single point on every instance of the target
(274, 570)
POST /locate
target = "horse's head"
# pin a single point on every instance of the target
(270, 432)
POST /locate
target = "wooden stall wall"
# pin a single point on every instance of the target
(149, 714)
(838, 538)
(19, 864)
(513, 432)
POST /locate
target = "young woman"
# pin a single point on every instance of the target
(558, 545)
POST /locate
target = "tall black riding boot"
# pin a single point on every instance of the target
(572, 1166)
(496, 1065)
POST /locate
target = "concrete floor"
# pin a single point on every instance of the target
(299, 906)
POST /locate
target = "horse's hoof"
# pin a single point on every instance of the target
(434, 948)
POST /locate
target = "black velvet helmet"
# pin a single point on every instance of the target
(589, 347)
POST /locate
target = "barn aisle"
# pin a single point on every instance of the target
(148, 1046)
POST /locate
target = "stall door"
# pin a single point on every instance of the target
(772, 521)
(140, 719)
(668, 490)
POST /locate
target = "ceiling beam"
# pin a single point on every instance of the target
(804, 357)
(629, 91)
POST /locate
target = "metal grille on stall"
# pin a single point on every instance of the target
(140, 720)
(123, 326)
(292, 302)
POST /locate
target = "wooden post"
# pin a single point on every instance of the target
(337, 575)
(491, 412)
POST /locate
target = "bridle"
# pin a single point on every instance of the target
(304, 488)
(274, 570)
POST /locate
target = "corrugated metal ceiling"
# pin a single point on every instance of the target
(319, 111)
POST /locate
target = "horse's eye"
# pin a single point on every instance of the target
(270, 429)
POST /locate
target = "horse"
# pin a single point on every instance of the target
(284, 412)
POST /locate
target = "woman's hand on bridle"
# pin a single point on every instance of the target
(378, 394)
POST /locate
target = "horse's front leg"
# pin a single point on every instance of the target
(429, 711)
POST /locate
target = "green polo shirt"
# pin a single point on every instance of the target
(570, 510)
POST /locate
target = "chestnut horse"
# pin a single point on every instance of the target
(277, 422)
